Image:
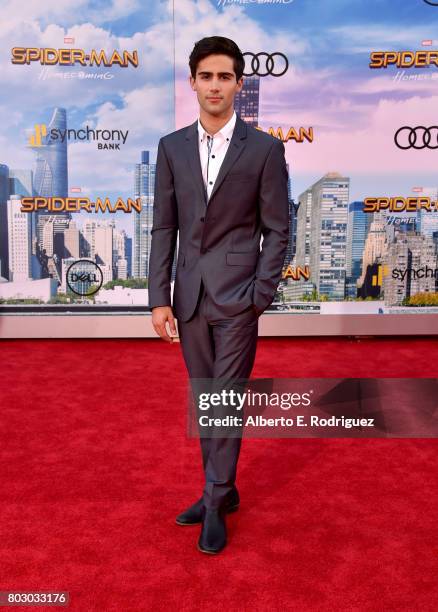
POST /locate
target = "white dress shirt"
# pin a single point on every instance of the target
(212, 151)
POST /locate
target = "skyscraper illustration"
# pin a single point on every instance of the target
(120, 262)
(322, 233)
(51, 179)
(246, 101)
(414, 256)
(375, 250)
(51, 174)
(427, 220)
(293, 209)
(357, 231)
(144, 184)
(20, 241)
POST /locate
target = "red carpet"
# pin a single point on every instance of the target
(95, 465)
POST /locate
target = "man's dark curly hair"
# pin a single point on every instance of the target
(217, 45)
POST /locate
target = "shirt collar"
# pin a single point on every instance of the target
(226, 131)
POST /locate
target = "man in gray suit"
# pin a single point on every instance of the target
(223, 185)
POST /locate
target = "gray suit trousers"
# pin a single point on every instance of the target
(216, 346)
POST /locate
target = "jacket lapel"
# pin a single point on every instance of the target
(235, 148)
(194, 159)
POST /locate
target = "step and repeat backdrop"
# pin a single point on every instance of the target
(88, 89)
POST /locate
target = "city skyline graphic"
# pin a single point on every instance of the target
(95, 129)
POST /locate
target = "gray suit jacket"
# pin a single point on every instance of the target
(219, 242)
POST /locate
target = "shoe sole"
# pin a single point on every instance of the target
(210, 552)
(228, 511)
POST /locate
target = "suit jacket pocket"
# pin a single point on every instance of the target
(241, 259)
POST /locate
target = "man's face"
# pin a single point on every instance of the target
(215, 84)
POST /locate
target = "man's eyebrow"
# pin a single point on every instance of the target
(219, 73)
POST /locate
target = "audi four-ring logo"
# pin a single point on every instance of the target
(271, 67)
(419, 137)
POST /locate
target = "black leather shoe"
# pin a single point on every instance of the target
(213, 536)
(193, 515)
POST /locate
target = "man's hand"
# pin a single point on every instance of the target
(160, 316)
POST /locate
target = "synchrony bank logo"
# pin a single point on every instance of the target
(105, 139)
(402, 274)
(377, 279)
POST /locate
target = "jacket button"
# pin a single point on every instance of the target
(202, 219)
